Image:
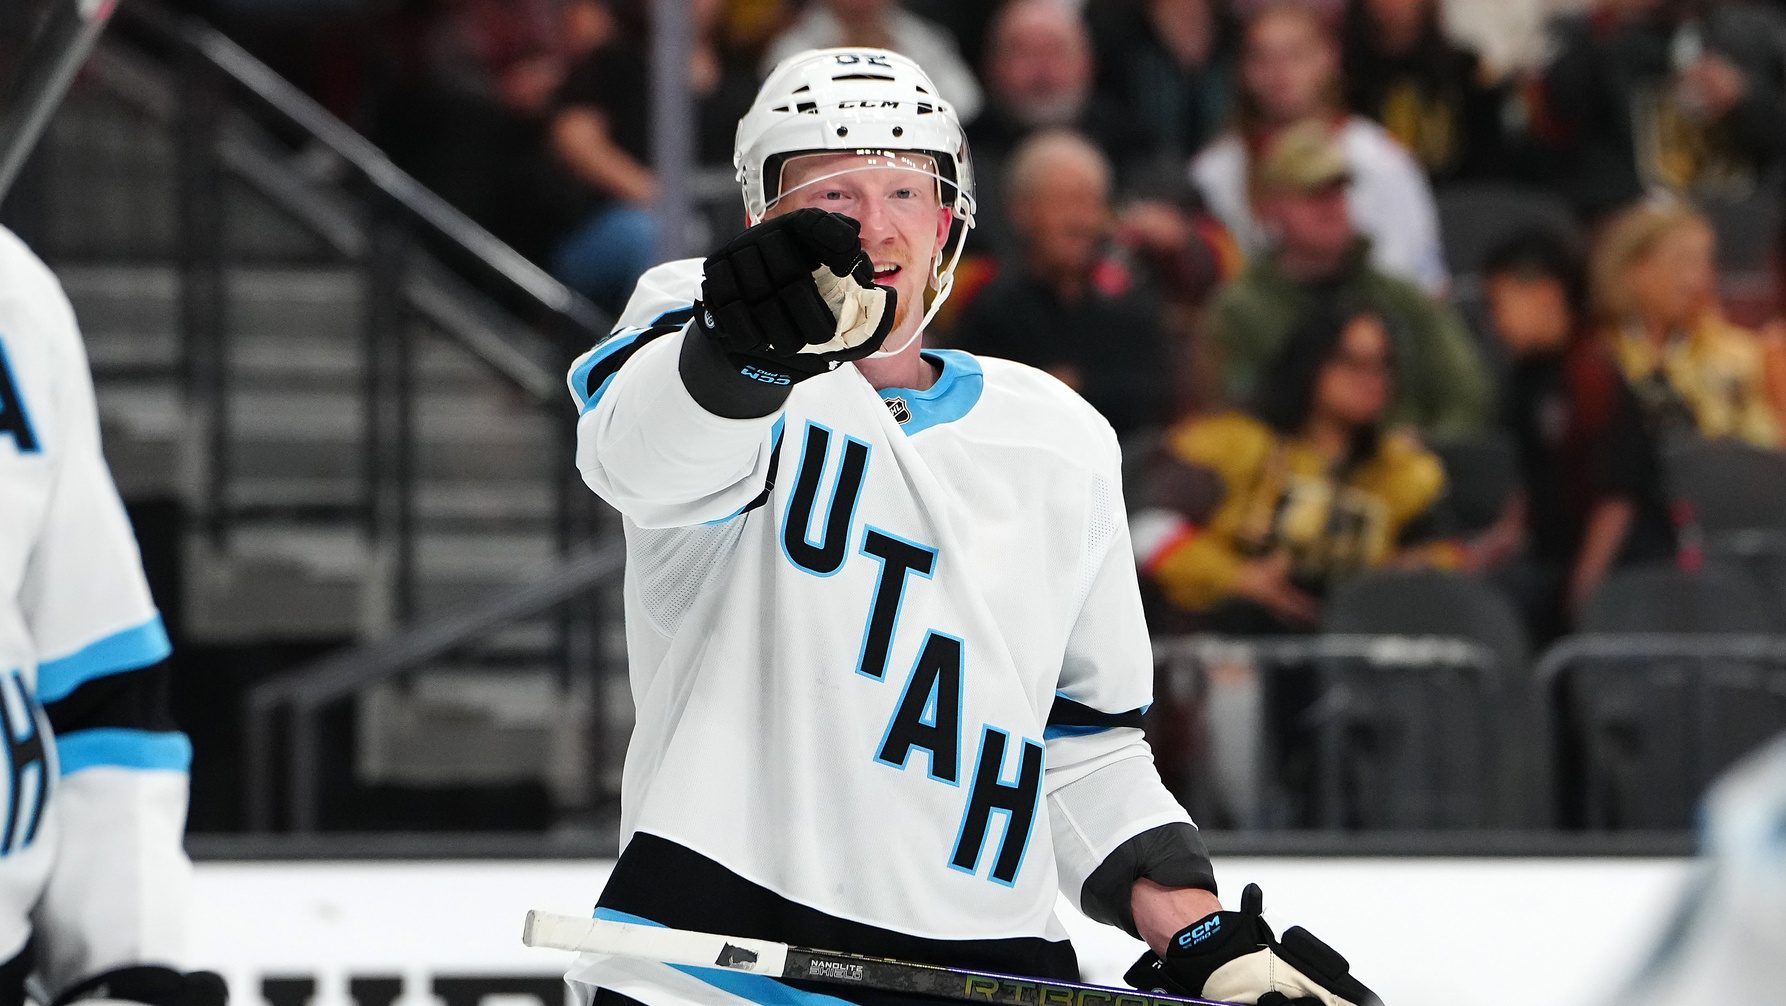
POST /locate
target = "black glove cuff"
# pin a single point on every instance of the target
(716, 382)
(152, 985)
(1172, 855)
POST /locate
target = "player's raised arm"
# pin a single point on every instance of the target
(680, 405)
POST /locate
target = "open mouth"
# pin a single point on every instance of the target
(885, 274)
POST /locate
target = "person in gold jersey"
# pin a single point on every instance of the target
(1257, 512)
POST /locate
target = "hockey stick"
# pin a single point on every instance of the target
(778, 960)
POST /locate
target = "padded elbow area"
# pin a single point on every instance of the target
(1172, 855)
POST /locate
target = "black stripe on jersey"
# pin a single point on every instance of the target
(659, 880)
(133, 700)
(1069, 717)
(669, 321)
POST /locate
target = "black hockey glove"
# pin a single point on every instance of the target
(1233, 956)
(152, 986)
(792, 297)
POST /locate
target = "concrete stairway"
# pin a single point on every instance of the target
(296, 564)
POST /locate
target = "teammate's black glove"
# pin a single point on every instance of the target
(153, 986)
(794, 296)
(1233, 956)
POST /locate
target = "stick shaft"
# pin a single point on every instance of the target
(674, 946)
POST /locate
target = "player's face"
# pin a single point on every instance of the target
(1354, 385)
(893, 198)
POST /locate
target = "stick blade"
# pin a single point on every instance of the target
(550, 931)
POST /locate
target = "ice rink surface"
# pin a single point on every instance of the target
(1465, 932)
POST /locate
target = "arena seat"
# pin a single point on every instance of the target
(1679, 684)
(1474, 217)
(1422, 743)
(1481, 475)
(1731, 485)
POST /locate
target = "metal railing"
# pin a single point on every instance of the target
(1635, 727)
(424, 277)
(494, 305)
(1376, 714)
(1619, 732)
(303, 693)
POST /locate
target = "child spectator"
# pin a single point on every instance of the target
(1591, 493)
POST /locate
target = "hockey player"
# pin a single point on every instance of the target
(886, 641)
(93, 879)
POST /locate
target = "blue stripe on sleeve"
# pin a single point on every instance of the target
(746, 986)
(127, 650)
(579, 379)
(124, 748)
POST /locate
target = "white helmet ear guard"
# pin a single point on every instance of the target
(857, 99)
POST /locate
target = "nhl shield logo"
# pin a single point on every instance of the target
(902, 413)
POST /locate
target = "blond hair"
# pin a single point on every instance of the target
(1627, 240)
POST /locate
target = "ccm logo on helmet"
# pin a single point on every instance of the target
(868, 104)
(854, 58)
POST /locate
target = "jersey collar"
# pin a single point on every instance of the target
(955, 392)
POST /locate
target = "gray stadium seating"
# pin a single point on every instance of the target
(1662, 597)
(1732, 486)
(1474, 217)
(1481, 475)
(1641, 731)
(1416, 744)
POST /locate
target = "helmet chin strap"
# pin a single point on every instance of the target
(943, 282)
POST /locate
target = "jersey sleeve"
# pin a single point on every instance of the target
(643, 443)
(118, 891)
(1103, 793)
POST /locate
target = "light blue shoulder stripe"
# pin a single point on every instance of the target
(119, 747)
(122, 651)
(749, 987)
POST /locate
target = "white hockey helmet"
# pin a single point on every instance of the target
(857, 100)
(834, 100)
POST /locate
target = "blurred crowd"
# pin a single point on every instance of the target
(1307, 256)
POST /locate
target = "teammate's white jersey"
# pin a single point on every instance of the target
(887, 652)
(94, 781)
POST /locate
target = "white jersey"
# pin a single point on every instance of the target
(888, 656)
(95, 782)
